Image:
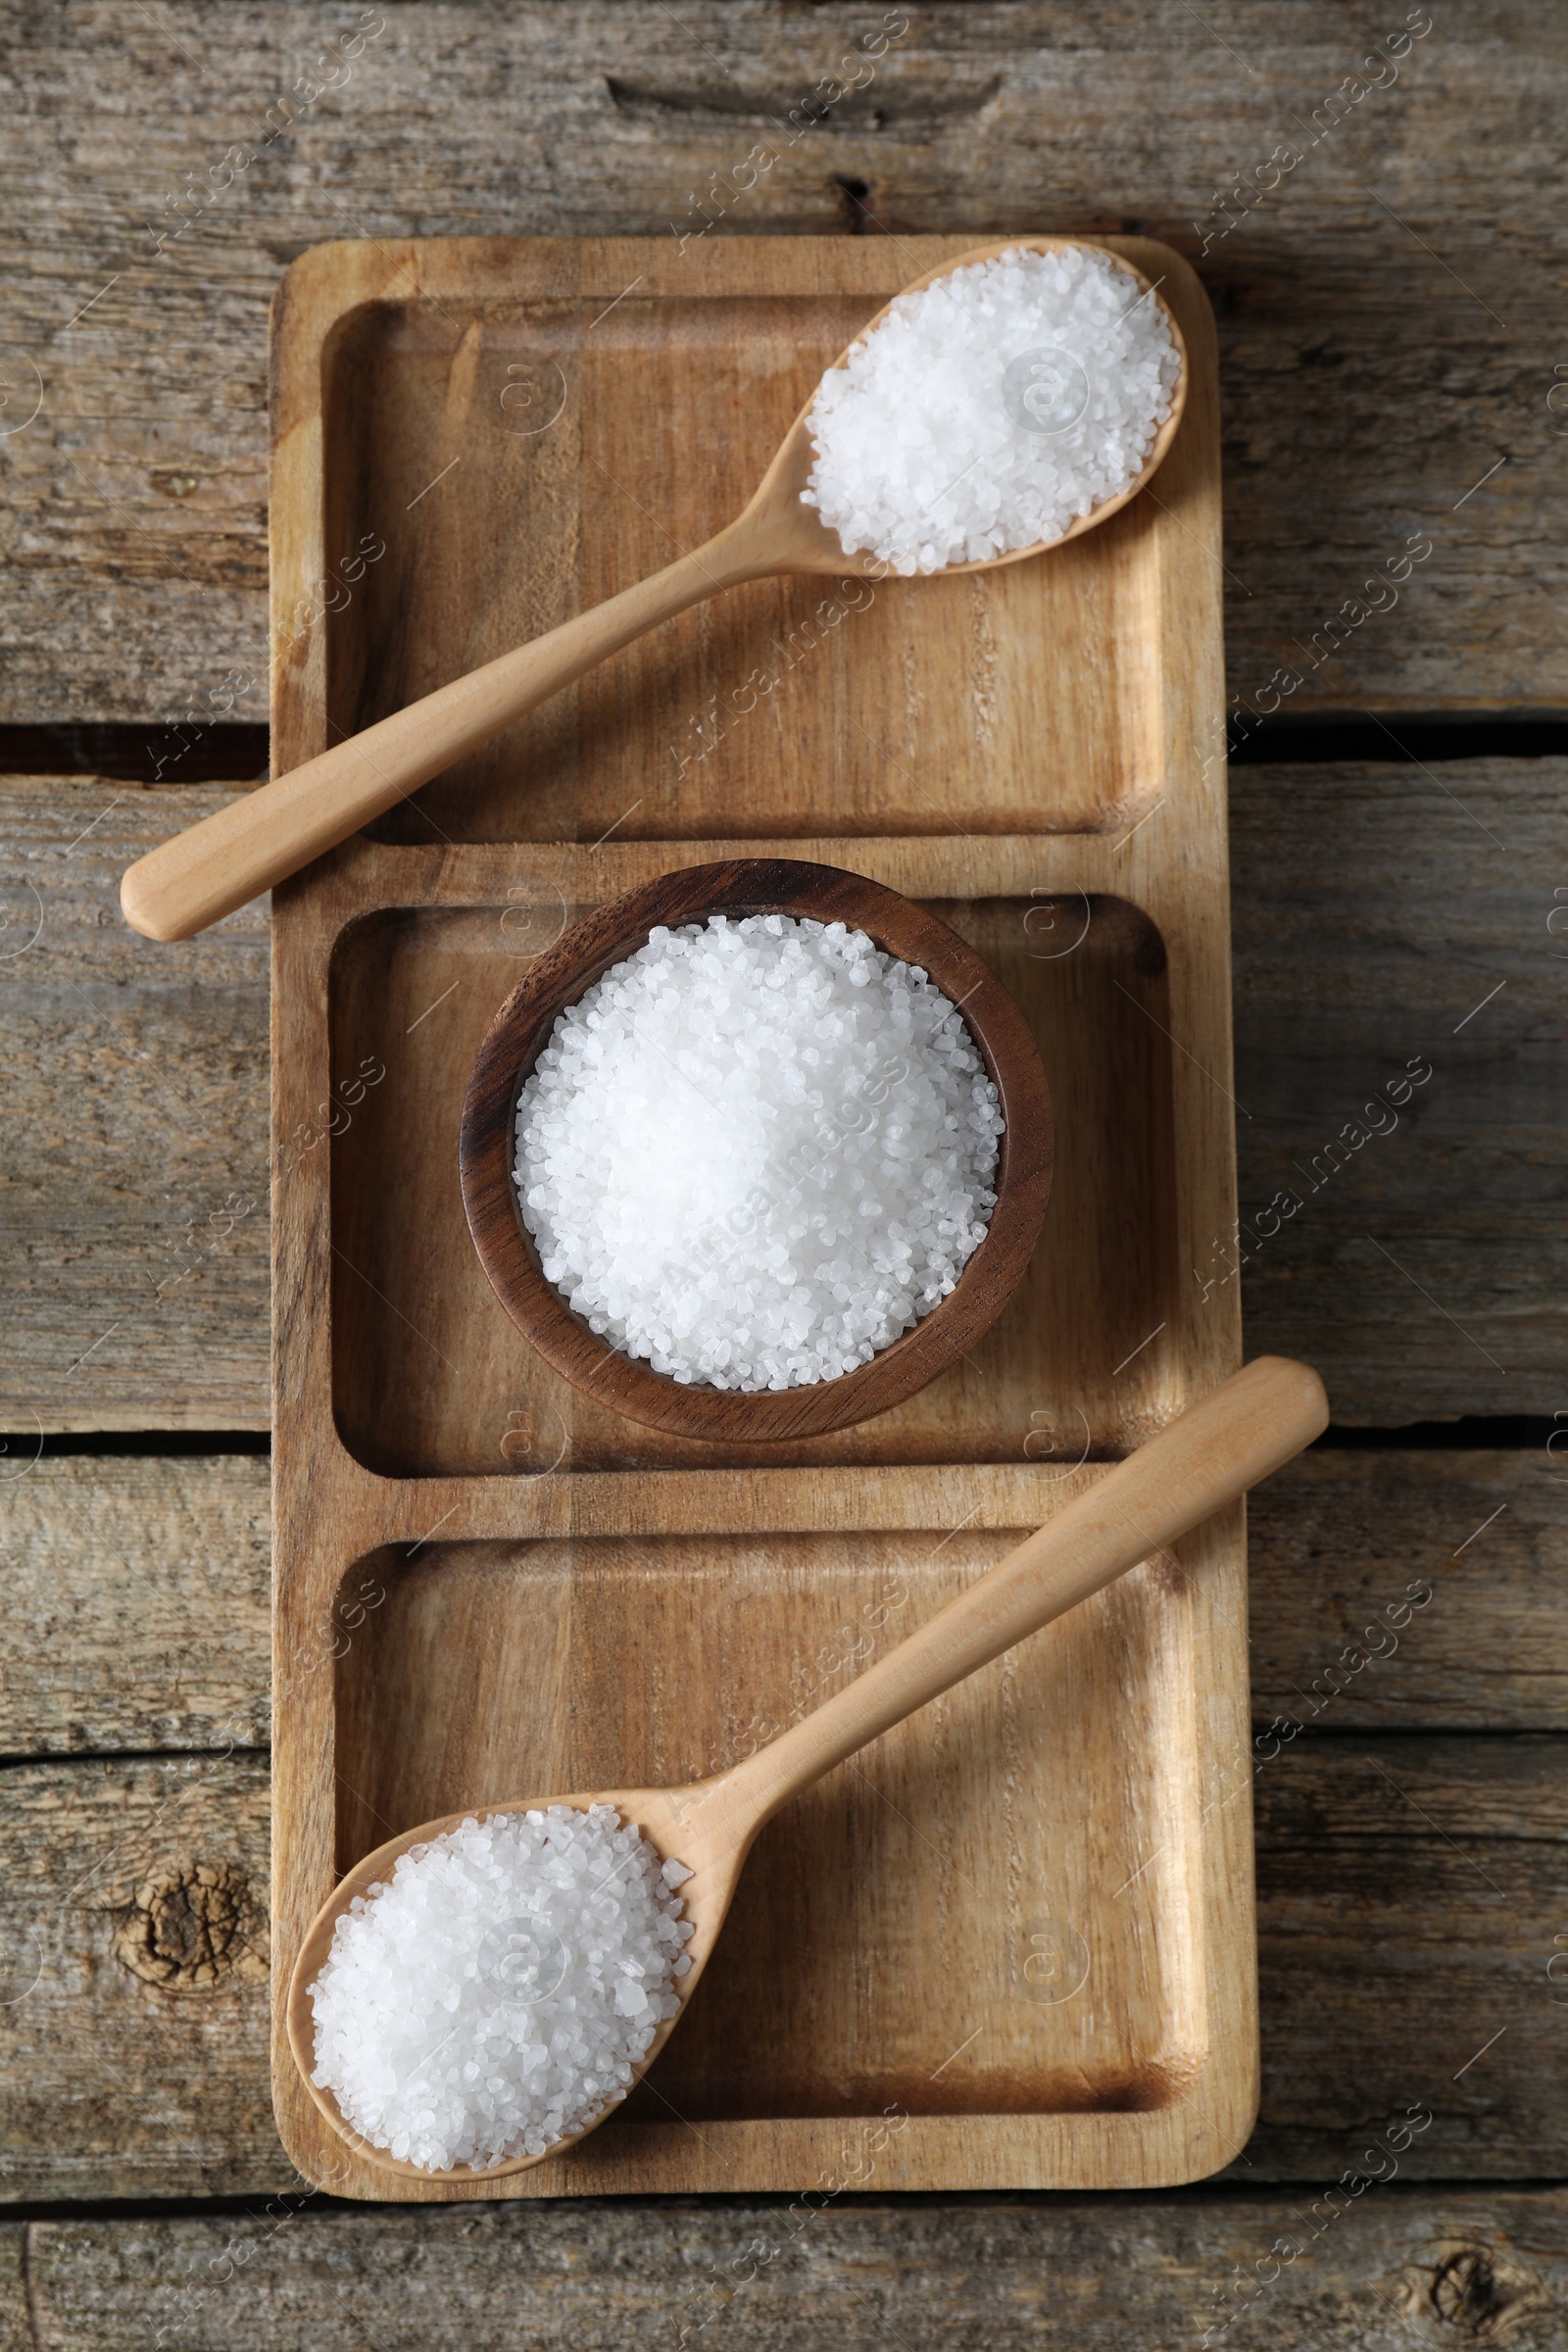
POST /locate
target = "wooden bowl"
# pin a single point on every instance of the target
(518, 1033)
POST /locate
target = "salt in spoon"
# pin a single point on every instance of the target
(189, 881)
(1242, 1432)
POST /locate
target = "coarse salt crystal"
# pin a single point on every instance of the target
(497, 1992)
(756, 1151)
(988, 411)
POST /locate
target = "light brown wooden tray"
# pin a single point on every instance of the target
(1012, 1943)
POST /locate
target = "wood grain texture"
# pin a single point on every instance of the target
(138, 1604)
(1342, 1546)
(1369, 916)
(1411, 1892)
(1425, 2267)
(138, 1598)
(135, 1168)
(133, 1953)
(18, 2332)
(1386, 310)
(1365, 393)
(1403, 923)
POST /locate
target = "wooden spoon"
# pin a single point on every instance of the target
(1242, 1432)
(215, 867)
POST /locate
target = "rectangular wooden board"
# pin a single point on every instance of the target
(1012, 1943)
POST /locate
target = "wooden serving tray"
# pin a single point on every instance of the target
(1012, 1943)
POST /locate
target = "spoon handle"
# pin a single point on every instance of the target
(1241, 1431)
(212, 867)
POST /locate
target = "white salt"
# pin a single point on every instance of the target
(495, 1995)
(757, 1151)
(988, 411)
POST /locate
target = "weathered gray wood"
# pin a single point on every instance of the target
(1371, 915)
(1087, 2275)
(1415, 1591)
(1410, 1894)
(136, 1603)
(1375, 914)
(136, 1599)
(16, 2326)
(135, 1267)
(1386, 311)
(132, 1979)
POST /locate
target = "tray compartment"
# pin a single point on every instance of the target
(963, 1920)
(432, 1377)
(498, 528)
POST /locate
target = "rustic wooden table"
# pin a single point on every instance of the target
(1373, 198)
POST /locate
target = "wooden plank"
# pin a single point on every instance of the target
(136, 1271)
(133, 2002)
(16, 2319)
(1389, 921)
(1409, 1591)
(1371, 917)
(138, 1591)
(1383, 307)
(136, 1603)
(1087, 2275)
(1411, 1894)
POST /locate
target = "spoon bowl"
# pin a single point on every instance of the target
(671, 1818)
(1243, 1430)
(777, 519)
(257, 840)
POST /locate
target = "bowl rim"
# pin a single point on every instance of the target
(561, 975)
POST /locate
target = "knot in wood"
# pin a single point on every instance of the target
(1475, 2290)
(194, 1929)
